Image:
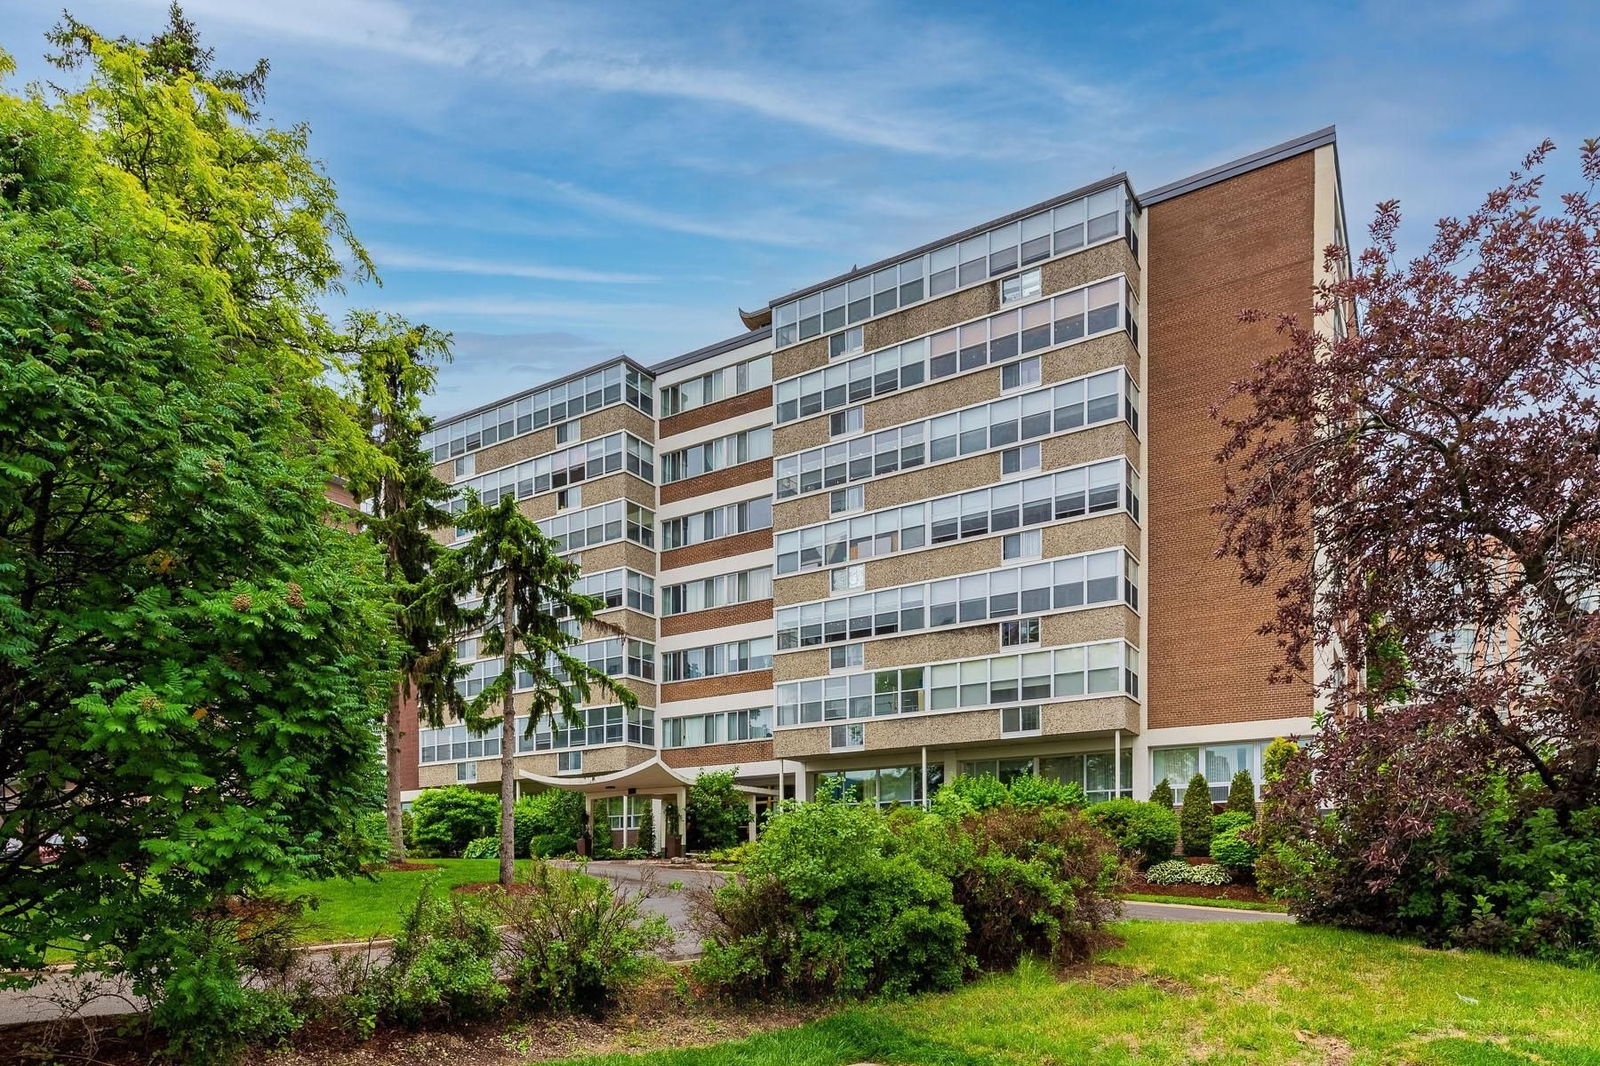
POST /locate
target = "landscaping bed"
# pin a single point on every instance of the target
(1238, 893)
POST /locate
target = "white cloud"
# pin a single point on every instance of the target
(403, 259)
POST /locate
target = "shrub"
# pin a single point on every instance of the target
(968, 793)
(572, 943)
(445, 820)
(1221, 823)
(647, 829)
(1146, 833)
(735, 855)
(1242, 794)
(1194, 820)
(1276, 757)
(1162, 794)
(718, 812)
(553, 812)
(547, 845)
(482, 848)
(1178, 872)
(441, 969)
(1030, 791)
(832, 904)
(1232, 849)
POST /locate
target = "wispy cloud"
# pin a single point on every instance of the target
(403, 259)
(531, 309)
(775, 230)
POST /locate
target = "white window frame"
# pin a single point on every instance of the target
(1024, 286)
(848, 736)
(1029, 545)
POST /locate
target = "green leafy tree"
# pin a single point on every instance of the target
(445, 820)
(718, 811)
(1242, 794)
(1162, 794)
(393, 367)
(1194, 818)
(531, 618)
(192, 662)
(647, 828)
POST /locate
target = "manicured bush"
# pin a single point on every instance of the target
(553, 812)
(446, 820)
(1178, 872)
(1162, 794)
(969, 792)
(547, 845)
(1231, 848)
(441, 969)
(1242, 794)
(832, 903)
(1194, 819)
(1145, 833)
(1221, 823)
(647, 829)
(572, 943)
(718, 812)
(482, 848)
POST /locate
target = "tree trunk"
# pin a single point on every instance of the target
(391, 746)
(508, 743)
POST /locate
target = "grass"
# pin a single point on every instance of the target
(360, 908)
(1206, 901)
(1219, 993)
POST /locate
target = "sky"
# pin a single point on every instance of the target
(558, 183)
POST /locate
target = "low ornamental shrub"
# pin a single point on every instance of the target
(550, 845)
(970, 793)
(1178, 872)
(1232, 849)
(441, 969)
(1162, 794)
(482, 848)
(572, 943)
(832, 904)
(1194, 819)
(1145, 833)
(445, 820)
(1221, 823)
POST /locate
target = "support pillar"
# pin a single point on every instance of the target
(683, 817)
(1116, 765)
(750, 829)
(658, 813)
(924, 777)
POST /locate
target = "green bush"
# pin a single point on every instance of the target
(445, 820)
(548, 845)
(736, 855)
(1178, 872)
(1029, 792)
(1162, 794)
(1242, 794)
(718, 811)
(482, 848)
(572, 943)
(1221, 823)
(1230, 848)
(553, 812)
(441, 969)
(831, 903)
(1194, 819)
(647, 829)
(1145, 833)
(969, 792)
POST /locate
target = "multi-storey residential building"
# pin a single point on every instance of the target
(946, 513)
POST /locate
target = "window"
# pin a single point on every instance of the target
(1024, 329)
(569, 431)
(853, 498)
(466, 466)
(721, 727)
(845, 657)
(1100, 216)
(717, 659)
(720, 591)
(718, 454)
(847, 421)
(1020, 460)
(846, 343)
(619, 588)
(1018, 632)
(1020, 374)
(1025, 416)
(619, 519)
(844, 737)
(1019, 721)
(569, 762)
(1024, 286)
(882, 787)
(848, 577)
(560, 469)
(1096, 772)
(568, 498)
(1024, 545)
(1006, 770)
(1219, 762)
(466, 772)
(548, 406)
(716, 523)
(1075, 492)
(717, 385)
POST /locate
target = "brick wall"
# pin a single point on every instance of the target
(1245, 242)
(702, 687)
(721, 548)
(744, 403)
(716, 618)
(726, 478)
(741, 752)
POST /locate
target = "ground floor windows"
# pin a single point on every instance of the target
(884, 786)
(618, 812)
(1219, 762)
(1095, 772)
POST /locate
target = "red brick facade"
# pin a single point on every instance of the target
(744, 403)
(721, 548)
(699, 621)
(1242, 243)
(702, 687)
(726, 478)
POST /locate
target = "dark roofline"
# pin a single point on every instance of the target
(510, 397)
(971, 231)
(1243, 165)
(710, 350)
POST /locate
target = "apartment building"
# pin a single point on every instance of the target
(946, 513)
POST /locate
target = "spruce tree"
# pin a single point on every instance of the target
(1242, 794)
(1162, 794)
(1194, 820)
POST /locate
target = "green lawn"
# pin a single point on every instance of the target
(1222, 993)
(1201, 901)
(361, 908)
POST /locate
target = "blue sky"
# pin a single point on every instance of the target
(557, 183)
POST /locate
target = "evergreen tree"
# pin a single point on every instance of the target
(531, 617)
(647, 828)
(1194, 819)
(401, 502)
(1242, 794)
(1162, 794)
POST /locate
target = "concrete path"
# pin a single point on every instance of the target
(1182, 912)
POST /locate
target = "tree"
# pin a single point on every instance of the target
(1194, 818)
(1418, 485)
(394, 365)
(445, 820)
(647, 829)
(531, 617)
(718, 812)
(1162, 794)
(1242, 794)
(191, 655)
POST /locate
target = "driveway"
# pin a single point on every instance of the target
(669, 888)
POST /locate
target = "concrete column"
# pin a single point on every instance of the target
(683, 816)
(800, 782)
(658, 812)
(750, 830)
(1116, 764)
(925, 778)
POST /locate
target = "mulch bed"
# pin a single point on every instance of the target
(1241, 893)
(398, 867)
(518, 888)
